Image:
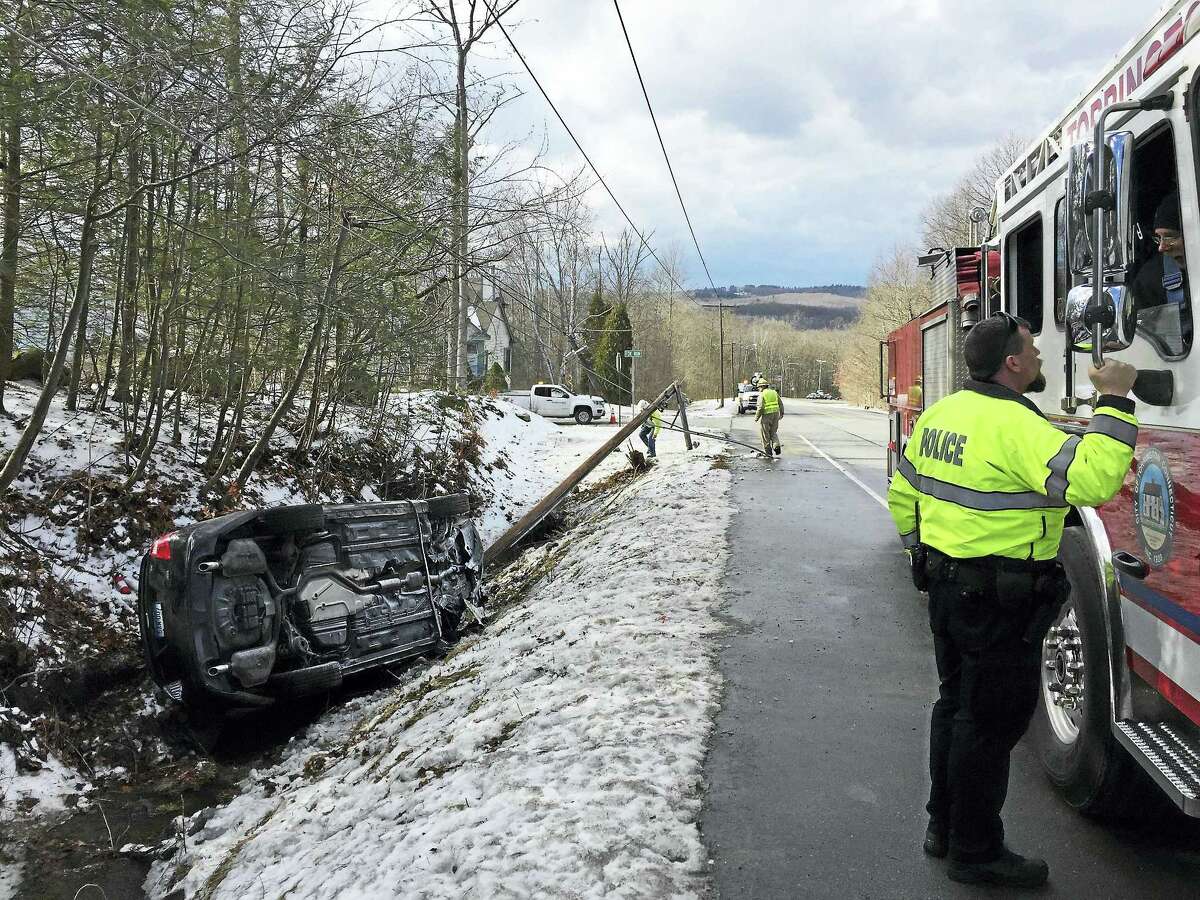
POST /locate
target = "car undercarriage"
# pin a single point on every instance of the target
(254, 606)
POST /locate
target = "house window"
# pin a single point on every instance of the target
(1023, 273)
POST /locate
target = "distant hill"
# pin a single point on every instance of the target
(734, 292)
(799, 298)
(823, 306)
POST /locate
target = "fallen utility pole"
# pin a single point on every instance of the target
(550, 502)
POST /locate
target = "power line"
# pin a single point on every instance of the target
(584, 153)
(662, 144)
(683, 206)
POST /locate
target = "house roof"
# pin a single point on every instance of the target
(489, 311)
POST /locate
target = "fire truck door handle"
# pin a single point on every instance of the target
(1126, 562)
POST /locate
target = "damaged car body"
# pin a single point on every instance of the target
(259, 605)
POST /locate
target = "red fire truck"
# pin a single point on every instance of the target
(1121, 674)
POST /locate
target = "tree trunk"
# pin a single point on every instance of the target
(285, 403)
(128, 301)
(87, 253)
(12, 213)
(461, 214)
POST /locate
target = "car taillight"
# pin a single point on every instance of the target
(161, 549)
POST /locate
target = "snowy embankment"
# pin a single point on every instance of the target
(557, 753)
(77, 531)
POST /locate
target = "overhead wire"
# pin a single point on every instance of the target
(587, 158)
(662, 144)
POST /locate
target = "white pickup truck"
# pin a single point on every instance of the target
(556, 402)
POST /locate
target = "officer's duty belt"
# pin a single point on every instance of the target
(994, 563)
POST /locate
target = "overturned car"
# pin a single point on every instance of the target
(258, 605)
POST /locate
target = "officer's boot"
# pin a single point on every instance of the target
(1008, 870)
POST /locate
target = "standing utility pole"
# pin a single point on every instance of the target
(820, 369)
(721, 351)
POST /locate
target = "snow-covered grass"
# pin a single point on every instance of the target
(558, 753)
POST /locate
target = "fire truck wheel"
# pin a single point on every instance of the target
(1071, 728)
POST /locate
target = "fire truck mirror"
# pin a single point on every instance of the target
(1113, 312)
(1114, 196)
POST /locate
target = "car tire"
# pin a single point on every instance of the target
(1076, 748)
(449, 507)
(304, 517)
(583, 416)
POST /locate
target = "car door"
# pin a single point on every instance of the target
(559, 404)
(542, 403)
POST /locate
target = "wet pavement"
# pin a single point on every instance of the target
(817, 771)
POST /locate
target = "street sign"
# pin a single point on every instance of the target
(633, 354)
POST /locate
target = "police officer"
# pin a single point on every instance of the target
(770, 411)
(980, 497)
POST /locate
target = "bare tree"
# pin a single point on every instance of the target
(467, 26)
(946, 221)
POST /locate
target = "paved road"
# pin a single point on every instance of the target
(816, 776)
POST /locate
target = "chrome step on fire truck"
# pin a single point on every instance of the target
(1121, 674)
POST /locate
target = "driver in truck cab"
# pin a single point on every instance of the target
(980, 497)
(1160, 287)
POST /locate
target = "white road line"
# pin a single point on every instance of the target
(837, 465)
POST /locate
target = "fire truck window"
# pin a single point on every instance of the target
(1159, 282)
(1062, 268)
(1023, 274)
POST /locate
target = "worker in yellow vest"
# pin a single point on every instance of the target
(650, 428)
(770, 411)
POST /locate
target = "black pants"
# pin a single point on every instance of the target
(989, 682)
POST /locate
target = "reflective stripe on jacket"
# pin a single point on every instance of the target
(985, 473)
(769, 402)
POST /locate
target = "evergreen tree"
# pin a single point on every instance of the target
(616, 339)
(495, 380)
(593, 325)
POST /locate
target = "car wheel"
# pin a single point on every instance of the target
(449, 507)
(583, 416)
(305, 517)
(1072, 729)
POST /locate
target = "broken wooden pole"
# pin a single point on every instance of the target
(682, 406)
(550, 502)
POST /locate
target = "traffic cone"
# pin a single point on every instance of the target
(612, 418)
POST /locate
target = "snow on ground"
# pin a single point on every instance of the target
(46, 788)
(557, 753)
(533, 457)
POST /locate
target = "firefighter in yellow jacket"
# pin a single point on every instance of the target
(980, 498)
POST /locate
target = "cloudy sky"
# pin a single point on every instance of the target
(806, 136)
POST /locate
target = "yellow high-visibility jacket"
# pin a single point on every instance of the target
(985, 473)
(769, 402)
